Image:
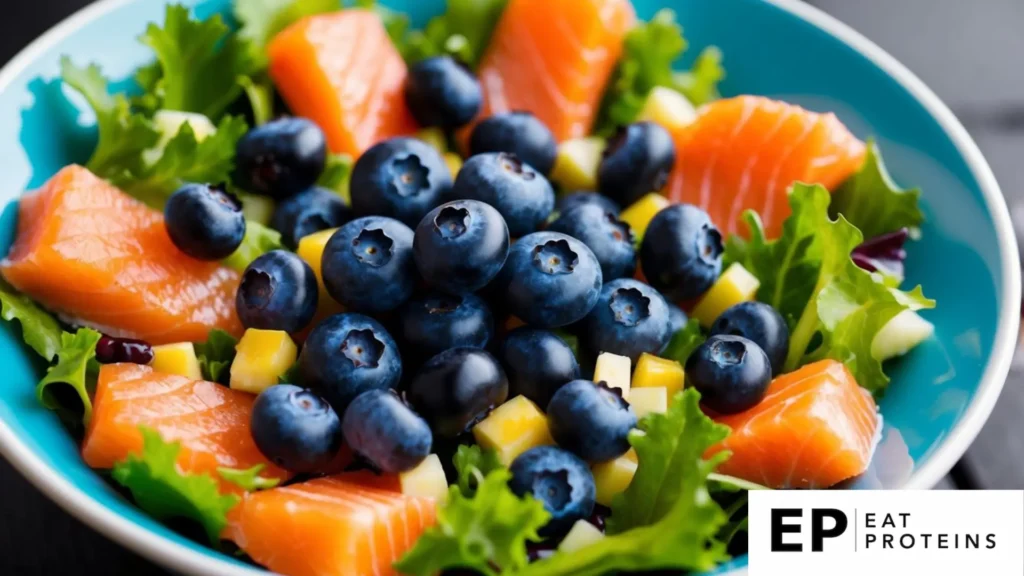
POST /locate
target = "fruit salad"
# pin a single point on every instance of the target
(505, 294)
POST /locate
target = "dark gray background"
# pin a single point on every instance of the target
(968, 51)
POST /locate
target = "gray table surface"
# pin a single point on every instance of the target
(967, 51)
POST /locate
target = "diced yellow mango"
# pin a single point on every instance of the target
(648, 400)
(668, 108)
(612, 478)
(426, 480)
(435, 137)
(654, 372)
(311, 250)
(631, 455)
(581, 535)
(640, 213)
(513, 428)
(735, 285)
(261, 358)
(613, 370)
(577, 162)
(454, 162)
(177, 359)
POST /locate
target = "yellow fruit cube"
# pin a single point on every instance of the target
(648, 400)
(654, 372)
(576, 163)
(581, 535)
(613, 370)
(612, 478)
(435, 137)
(262, 357)
(639, 214)
(735, 285)
(177, 359)
(513, 428)
(454, 162)
(426, 480)
(668, 108)
(631, 455)
(311, 250)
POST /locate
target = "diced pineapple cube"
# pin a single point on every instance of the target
(262, 357)
(426, 480)
(735, 285)
(654, 372)
(581, 535)
(631, 455)
(177, 359)
(612, 478)
(513, 428)
(639, 214)
(311, 249)
(454, 162)
(576, 163)
(668, 108)
(613, 370)
(648, 400)
(435, 137)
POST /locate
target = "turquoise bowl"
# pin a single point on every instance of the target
(967, 260)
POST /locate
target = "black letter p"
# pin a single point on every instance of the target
(818, 531)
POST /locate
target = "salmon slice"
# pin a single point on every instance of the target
(209, 420)
(101, 258)
(342, 71)
(745, 152)
(329, 526)
(815, 427)
(553, 58)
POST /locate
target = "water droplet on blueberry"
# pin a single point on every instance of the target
(362, 348)
(372, 247)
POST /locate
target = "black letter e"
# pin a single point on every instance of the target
(779, 528)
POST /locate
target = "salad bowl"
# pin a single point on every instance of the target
(966, 258)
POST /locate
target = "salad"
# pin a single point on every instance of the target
(505, 295)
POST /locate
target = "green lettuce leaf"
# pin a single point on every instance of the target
(201, 62)
(216, 354)
(261, 98)
(262, 19)
(165, 493)
(872, 202)
(249, 479)
(646, 63)
(463, 32)
(684, 342)
(666, 519)
(39, 329)
(258, 240)
(472, 464)
(336, 175)
(76, 368)
(487, 532)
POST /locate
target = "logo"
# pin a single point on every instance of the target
(818, 530)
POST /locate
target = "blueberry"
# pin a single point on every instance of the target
(759, 323)
(637, 160)
(110, 350)
(590, 420)
(630, 318)
(456, 389)
(379, 427)
(610, 239)
(519, 133)
(278, 292)
(538, 363)
(204, 222)
(460, 246)
(442, 92)
(522, 195)
(308, 212)
(295, 429)
(550, 279)
(730, 372)
(436, 322)
(681, 254)
(567, 202)
(346, 355)
(280, 158)
(368, 265)
(560, 481)
(402, 178)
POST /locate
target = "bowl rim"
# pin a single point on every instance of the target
(183, 559)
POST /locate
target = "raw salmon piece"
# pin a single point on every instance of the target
(553, 58)
(209, 420)
(745, 152)
(329, 527)
(815, 427)
(342, 71)
(103, 259)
